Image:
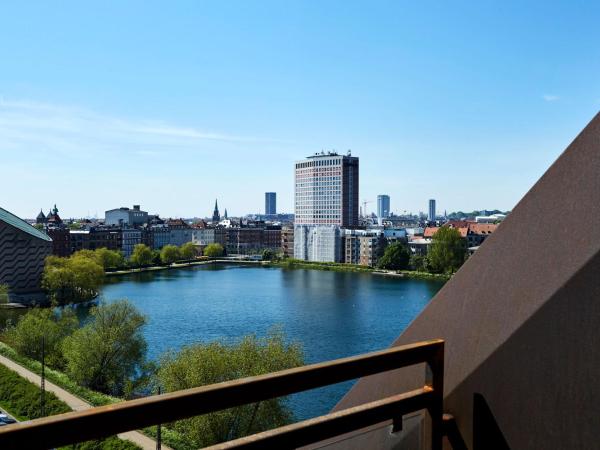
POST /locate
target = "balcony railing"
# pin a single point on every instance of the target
(112, 419)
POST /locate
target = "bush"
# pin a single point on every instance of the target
(26, 336)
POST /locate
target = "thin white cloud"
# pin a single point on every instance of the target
(550, 97)
(72, 131)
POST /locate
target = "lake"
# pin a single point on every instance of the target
(332, 314)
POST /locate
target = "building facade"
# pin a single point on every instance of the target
(287, 241)
(125, 216)
(383, 206)
(431, 215)
(23, 250)
(326, 199)
(270, 203)
(326, 190)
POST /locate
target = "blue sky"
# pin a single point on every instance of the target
(171, 104)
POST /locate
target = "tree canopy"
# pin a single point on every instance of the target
(109, 351)
(141, 256)
(395, 257)
(188, 251)
(74, 279)
(109, 259)
(447, 252)
(214, 250)
(169, 254)
(26, 336)
(202, 364)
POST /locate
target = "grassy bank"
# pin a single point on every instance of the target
(328, 266)
(341, 267)
(21, 398)
(170, 437)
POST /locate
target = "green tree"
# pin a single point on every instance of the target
(447, 252)
(169, 254)
(418, 263)
(26, 336)
(141, 256)
(214, 250)
(203, 364)
(395, 257)
(109, 351)
(268, 254)
(72, 280)
(109, 259)
(188, 251)
(4, 294)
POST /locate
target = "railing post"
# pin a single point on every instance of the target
(435, 380)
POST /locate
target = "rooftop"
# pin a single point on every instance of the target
(20, 224)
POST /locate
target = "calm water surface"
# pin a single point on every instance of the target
(332, 314)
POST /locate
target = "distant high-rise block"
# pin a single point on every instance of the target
(270, 203)
(431, 216)
(383, 206)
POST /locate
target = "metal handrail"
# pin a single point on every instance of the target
(104, 421)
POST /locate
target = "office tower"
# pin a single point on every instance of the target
(431, 216)
(326, 198)
(383, 206)
(326, 190)
(270, 203)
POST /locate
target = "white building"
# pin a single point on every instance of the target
(125, 216)
(326, 196)
(318, 243)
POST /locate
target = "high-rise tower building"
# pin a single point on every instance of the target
(326, 199)
(383, 206)
(326, 190)
(431, 216)
(270, 203)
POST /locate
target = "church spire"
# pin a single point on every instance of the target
(216, 216)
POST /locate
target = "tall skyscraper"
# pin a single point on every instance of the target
(270, 203)
(383, 206)
(326, 190)
(326, 198)
(431, 216)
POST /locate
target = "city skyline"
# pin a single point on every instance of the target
(172, 107)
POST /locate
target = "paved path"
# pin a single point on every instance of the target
(76, 404)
